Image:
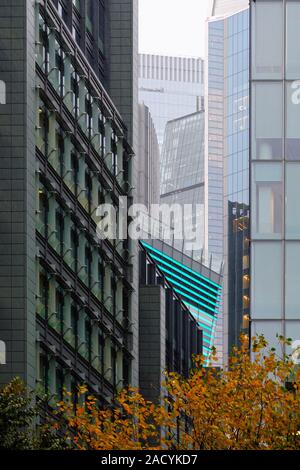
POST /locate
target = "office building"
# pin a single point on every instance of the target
(68, 309)
(148, 162)
(169, 333)
(275, 169)
(227, 163)
(198, 286)
(182, 176)
(171, 87)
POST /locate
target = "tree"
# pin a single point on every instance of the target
(131, 423)
(253, 405)
(18, 415)
(249, 406)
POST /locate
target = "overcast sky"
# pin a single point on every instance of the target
(172, 27)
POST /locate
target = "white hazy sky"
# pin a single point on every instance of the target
(172, 27)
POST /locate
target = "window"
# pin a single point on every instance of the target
(267, 200)
(88, 265)
(44, 373)
(59, 382)
(74, 327)
(293, 121)
(59, 326)
(74, 250)
(88, 340)
(292, 200)
(89, 15)
(267, 121)
(75, 93)
(42, 304)
(292, 40)
(74, 172)
(76, 4)
(267, 46)
(42, 128)
(292, 283)
(89, 188)
(59, 227)
(269, 329)
(42, 211)
(266, 284)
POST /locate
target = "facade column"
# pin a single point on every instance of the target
(67, 166)
(82, 98)
(120, 156)
(107, 360)
(81, 257)
(95, 347)
(81, 332)
(96, 138)
(68, 82)
(52, 220)
(119, 301)
(108, 134)
(107, 288)
(67, 317)
(52, 59)
(119, 369)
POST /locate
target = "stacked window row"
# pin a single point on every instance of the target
(62, 313)
(76, 249)
(70, 163)
(71, 85)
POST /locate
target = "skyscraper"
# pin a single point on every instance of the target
(148, 162)
(182, 175)
(275, 168)
(226, 164)
(68, 309)
(171, 87)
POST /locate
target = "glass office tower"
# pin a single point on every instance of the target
(182, 174)
(236, 177)
(226, 164)
(275, 168)
(171, 87)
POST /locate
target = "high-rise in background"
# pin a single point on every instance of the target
(171, 87)
(227, 163)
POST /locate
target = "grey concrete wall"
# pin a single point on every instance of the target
(152, 340)
(17, 190)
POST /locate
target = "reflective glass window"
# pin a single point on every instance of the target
(292, 279)
(267, 121)
(293, 120)
(292, 40)
(267, 200)
(266, 281)
(269, 329)
(267, 24)
(292, 200)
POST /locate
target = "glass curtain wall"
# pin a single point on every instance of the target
(275, 161)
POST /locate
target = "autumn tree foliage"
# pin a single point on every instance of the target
(254, 405)
(130, 423)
